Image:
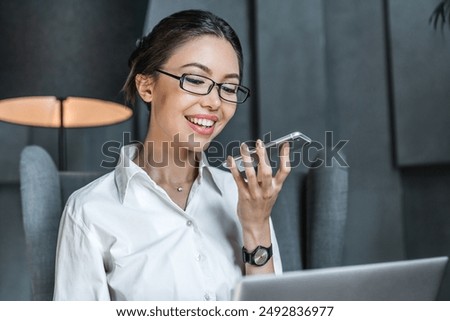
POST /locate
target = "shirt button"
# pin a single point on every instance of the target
(198, 257)
(189, 223)
(207, 297)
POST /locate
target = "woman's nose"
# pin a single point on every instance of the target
(213, 100)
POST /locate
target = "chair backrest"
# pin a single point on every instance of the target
(326, 216)
(44, 192)
(310, 217)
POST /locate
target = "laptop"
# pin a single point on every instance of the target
(408, 280)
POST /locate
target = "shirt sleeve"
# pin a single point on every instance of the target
(277, 265)
(79, 269)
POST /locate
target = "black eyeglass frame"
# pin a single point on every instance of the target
(214, 84)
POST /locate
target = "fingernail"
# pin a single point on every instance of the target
(229, 161)
(245, 147)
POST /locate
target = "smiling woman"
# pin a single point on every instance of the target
(183, 230)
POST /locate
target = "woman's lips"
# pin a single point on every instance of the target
(202, 124)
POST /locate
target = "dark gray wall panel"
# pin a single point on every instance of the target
(357, 96)
(291, 67)
(67, 48)
(292, 97)
(13, 139)
(421, 73)
(85, 150)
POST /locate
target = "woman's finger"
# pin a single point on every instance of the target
(240, 182)
(285, 165)
(264, 174)
(247, 162)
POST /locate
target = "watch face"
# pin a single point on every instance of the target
(261, 256)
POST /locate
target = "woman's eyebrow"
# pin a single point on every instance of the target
(200, 66)
(208, 70)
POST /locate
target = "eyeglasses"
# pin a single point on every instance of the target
(201, 85)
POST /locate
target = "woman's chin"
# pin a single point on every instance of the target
(202, 146)
(194, 142)
(201, 143)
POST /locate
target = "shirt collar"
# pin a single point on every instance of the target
(126, 169)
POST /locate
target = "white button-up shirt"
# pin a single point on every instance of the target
(121, 237)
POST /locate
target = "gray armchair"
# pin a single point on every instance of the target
(309, 216)
(44, 192)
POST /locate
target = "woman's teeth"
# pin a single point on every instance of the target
(201, 121)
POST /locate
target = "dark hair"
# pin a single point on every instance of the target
(170, 33)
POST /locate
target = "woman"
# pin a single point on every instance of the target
(164, 225)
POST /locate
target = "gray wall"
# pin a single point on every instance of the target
(372, 72)
(358, 103)
(421, 87)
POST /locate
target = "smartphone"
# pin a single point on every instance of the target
(295, 139)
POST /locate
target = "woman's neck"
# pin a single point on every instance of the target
(167, 164)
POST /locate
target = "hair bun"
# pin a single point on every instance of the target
(135, 53)
(140, 42)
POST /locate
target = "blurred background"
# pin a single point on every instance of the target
(375, 73)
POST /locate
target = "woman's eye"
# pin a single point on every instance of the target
(194, 80)
(229, 88)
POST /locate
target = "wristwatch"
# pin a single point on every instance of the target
(259, 256)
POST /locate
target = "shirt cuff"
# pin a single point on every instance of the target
(277, 265)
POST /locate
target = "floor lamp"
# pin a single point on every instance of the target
(62, 113)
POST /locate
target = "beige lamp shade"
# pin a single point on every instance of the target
(43, 111)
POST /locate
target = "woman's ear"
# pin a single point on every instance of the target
(144, 86)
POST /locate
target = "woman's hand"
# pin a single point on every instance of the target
(257, 195)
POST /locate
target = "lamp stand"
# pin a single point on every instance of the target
(62, 153)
